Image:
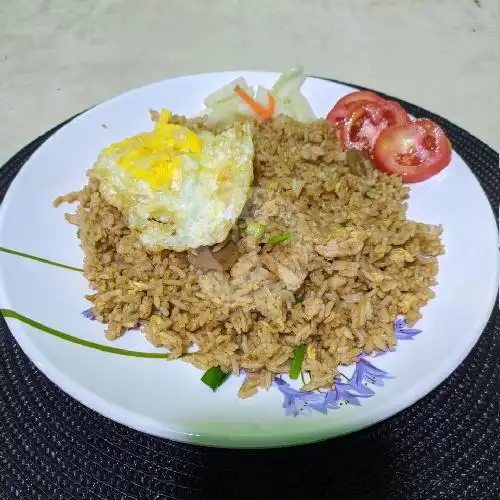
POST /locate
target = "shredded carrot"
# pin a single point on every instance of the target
(271, 104)
(256, 107)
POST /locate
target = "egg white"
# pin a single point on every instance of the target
(199, 205)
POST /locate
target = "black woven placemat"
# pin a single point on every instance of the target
(445, 446)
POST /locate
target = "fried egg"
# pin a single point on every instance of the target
(178, 189)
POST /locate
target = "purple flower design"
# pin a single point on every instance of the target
(364, 373)
(350, 392)
(402, 331)
(88, 314)
(304, 403)
(344, 393)
(298, 402)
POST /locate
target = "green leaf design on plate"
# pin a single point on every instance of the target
(8, 313)
(40, 259)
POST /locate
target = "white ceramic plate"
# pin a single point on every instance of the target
(167, 398)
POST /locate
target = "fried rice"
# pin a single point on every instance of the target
(338, 262)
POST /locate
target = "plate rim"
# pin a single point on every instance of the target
(397, 408)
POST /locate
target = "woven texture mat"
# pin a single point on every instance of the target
(445, 446)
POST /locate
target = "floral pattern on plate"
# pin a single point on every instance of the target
(356, 387)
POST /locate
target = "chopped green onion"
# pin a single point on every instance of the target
(78, 234)
(214, 377)
(298, 357)
(298, 299)
(255, 229)
(279, 238)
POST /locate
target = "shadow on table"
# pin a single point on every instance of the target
(354, 467)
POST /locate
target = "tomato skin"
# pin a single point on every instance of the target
(359, 95)
(415, 151)
(339, 111)
(366, 120)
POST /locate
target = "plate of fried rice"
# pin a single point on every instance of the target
(247, 259)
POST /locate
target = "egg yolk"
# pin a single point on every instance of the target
(155, 157)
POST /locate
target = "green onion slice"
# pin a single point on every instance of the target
(214, 377)
(255, 229)
(280, 238)
(298, 358)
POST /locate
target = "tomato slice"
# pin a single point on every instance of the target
(366, 120)
(339, 111)
(415, 151)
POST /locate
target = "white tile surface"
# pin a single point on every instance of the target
(58, 57)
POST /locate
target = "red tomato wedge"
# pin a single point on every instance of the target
(415, 151)
(339, 111)
(366, 120)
